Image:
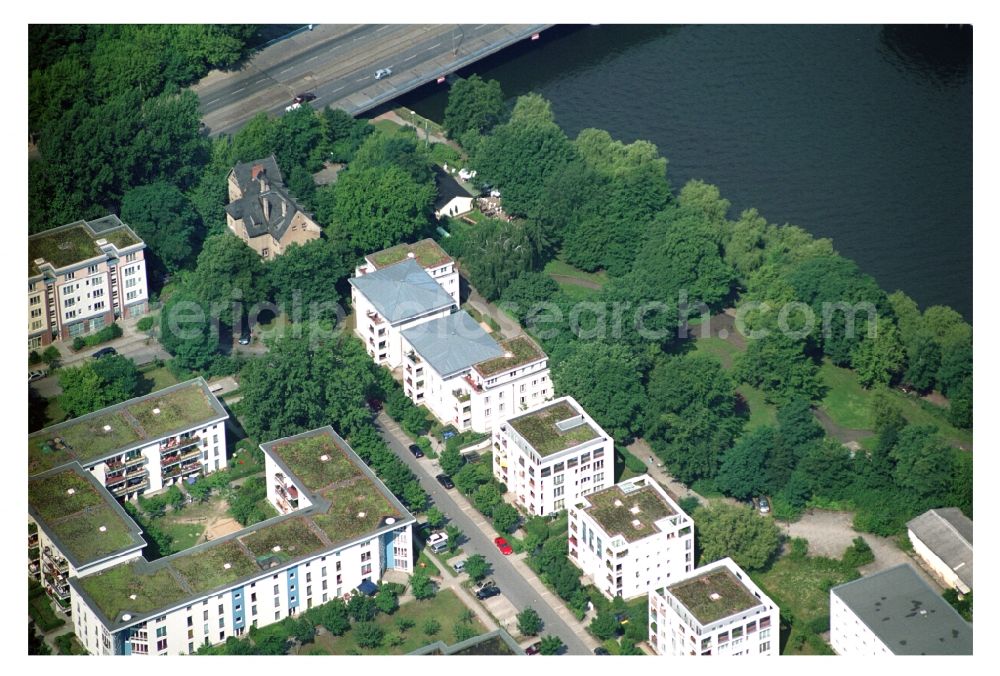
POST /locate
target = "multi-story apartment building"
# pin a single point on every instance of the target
(262, 213)
(427, 253)
(466, 378)
(551, 455)
(631, 538)
(391, 299)
(942, 538)
(715, 610)
(348, 529)
(894, 612)
(83, 276)
(140, 445)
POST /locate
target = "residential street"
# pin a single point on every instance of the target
(517, 582)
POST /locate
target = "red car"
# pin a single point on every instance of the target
(503, 546)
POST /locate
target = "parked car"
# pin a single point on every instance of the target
(533, 649)
(104, 352)
(415, 450)
(459, 566)
(487, 592)
(383, 72)
(503, 546)
(765, 506)
(601, 651)
(35, 375)
(445, 481)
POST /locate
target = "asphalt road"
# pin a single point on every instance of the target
(338, 64)
(510, 581)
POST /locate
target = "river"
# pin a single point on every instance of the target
(855, 132)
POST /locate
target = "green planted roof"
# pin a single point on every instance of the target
(129, 424)
(539, 428)
(316, 460)
(111, 590)
(632, 515)
(211, 567)
(356, 508)
(714, 595)
(292, 537)
(82, 520)
(517, 351)
(427, 252)
(77, 242)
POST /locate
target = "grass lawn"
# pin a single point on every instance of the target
(182, 535)
(706, 488)
(426, 562)
(389, 127)
(577, 294)
(69, 645)
(558, 267)
(761, 412)
(158, 377)
(847, 403)
(721, 349)
(801, 588)
(446, 608)
(919, 412)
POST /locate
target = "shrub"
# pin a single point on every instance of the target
(34, 357)
(634, 463)
(431, 627)
(404, 624)
(51, 354)
(79, 343)
(145, 324)
(368, 634)
(689, 504)
(799, 548)
(818, 625)
(528, 622)
(858, 554)
(463, 632)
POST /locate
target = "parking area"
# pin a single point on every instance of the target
(504, 611)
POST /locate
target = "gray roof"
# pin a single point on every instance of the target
(948, 533)
(906, 614)
(402, 291)
(453, 343)
(281, 206)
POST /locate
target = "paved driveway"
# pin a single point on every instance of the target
(477, 540)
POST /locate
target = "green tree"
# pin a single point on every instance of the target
(604, 626)
(297, 135)
(505, 518)
(528, 622)
(526, 291)
(923, 359)
(477, 566)
(473, 103)
(403, 151)
(430, 627)
(463, 632)
(778, 364)
(98, 383)
(496, 253)
(376, 208)
(414, 496)
(166, 221)
(736, 531)
(362, 608)
(451, 461)
(607, 381)
(956, 365)
(386, 600)
(924, 463)
(960, 405)
(551, 645)
(742, 471)
(421, 586)
(368, 634)
(879, 358)
(228, 271)
(303, 630)
(691, 414)
(303, 279)
(453, 533)
(404, 624)
(435, 517)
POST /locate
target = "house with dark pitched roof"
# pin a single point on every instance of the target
(261, 211)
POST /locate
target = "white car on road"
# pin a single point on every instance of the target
(383, 72)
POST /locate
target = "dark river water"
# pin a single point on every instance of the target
(858, 133)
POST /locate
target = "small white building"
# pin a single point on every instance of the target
(631, 538)
(455, 207)
(716, 610)
(895, 612)
(348, 530)
(466, 378)
(551, 455)
(942, 538)
(390, 300)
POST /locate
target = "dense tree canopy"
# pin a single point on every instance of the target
(166, 221)
(98, 383)
(473, 103)
(735, 531)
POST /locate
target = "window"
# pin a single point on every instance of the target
(560, 490)
(366, 556)
(205, 616)
(190, 621)
(161, 632)
(275, 588)
(559, 504)
(222, 622)
(36, 300)
(487, 412)
(253, 610)
(765, 646)
(69, 302)
(558, 479)
(92, 269)
(130, 282)
(36, 313)
(70, 275)
(277, 601)
(161, 645)
(130, 295)
(98, 293)
(366, 569)
(599, 477)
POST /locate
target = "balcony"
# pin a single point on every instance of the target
(476, 387)
(572, 540)
(413, 357)
(129, 488)
(180, 457)
(137, 470)
(374, 317)
(178, 443)
(461, 395)
(190, 469)
(114, 480)
(135, 460)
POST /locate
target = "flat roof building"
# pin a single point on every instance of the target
(631, 538)
(715, 610)
(81, 277)
(551, 455)
(894, 612)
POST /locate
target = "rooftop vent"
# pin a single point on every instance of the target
(618, 503)
(635, 509)
(570, 423)
(361, 515)
(70, 491)
(132, 596)
(390, 520)
(227, 566)
(107, 428)
(156, 411)
(100, 242)
(714, 596)
(126, 617)
(324, 458)
(636, 523)
(276, 548)
(103, 529)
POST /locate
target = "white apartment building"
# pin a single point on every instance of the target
(466, 378)
(894, 612)
(715, 610)
(391, 299)
(351, 531)
(140, 445)
(942, 538)
(551, 455)
(83, 276)
(427, 253)
(631, 538)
